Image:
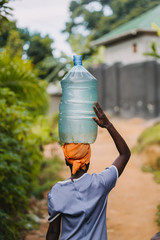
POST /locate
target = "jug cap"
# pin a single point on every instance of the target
(77, 60)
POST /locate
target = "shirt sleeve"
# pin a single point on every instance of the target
(53, 204)
(109, 177)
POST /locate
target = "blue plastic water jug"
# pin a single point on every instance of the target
(79, 92)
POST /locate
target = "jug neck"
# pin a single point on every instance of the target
(77, 60)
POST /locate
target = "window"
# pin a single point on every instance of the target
(134, 47)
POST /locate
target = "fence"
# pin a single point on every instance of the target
(131, 90)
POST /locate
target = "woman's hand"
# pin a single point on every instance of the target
(101, 119)
(124, 152)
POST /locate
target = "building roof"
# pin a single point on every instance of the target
(142, 23)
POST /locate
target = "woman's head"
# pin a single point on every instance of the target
(77, 156)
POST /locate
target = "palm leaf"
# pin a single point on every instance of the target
(19, 76)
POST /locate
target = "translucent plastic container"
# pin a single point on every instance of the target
(79, 92)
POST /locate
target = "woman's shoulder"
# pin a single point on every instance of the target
(59, 185)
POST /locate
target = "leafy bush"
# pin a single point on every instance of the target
(157, 176)
(150, 136)
(23, 98)
(155, 172)
(18, 75)
(46, 128)
(158, 215)
(19, 163)
(49, 175)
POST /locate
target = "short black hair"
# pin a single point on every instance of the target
(70, 166)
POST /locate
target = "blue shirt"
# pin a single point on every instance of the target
(82, 205)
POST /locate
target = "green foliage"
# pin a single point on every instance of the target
(14, 46)
(155, 170)
(19, 76)
(24, 34)
(155, 27)
(54, 69)
(5, 11)
(91, 55)
(150, 136)
(45, 128)
(34, 47)
(22, 97)
(5, 29)
(23, 132)
(49, 175)
(154, 52)
(88, 21)
(91, 14)
(157, 176)
(158, 215)
(19, 163)
(39, 48)
(81, 45)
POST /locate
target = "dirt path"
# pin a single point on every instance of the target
(132, 203)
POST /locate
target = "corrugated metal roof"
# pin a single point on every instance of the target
(142, 22)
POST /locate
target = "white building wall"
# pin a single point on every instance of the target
(123, 51)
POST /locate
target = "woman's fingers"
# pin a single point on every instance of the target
(96, 120)
(98, 107)
(98, 111)
(95, 110)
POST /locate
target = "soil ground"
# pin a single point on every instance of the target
(132, 204)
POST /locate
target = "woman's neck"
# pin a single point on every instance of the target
(78, 174)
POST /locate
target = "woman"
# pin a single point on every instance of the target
(81, 200)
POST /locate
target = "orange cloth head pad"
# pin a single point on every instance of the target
(77, 155)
